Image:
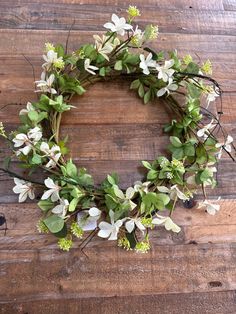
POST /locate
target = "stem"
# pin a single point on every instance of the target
(13, 174)
(57, 131)
(173, 207)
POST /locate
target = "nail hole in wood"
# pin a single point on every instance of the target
(214, 284)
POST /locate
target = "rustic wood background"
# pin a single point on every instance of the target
(193, 272)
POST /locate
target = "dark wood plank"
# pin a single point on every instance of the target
(25, 41)
(197, 226)
(153, 4)
(166, 269)
(194, 303)
(59, 16)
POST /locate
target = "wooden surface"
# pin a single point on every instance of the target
(193, 272)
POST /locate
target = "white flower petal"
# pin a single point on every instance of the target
(129, 225)
(94, 211)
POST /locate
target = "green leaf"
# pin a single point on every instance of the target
(205, 175)
(146, 164)
(45, 205)
(193, 90)
(135, 84)
(189, 150)
(178, 153)
(90, 52)
(118, 192)
(71, 169)
(163, 197)
(111, 203)
(84, 179)
(54, 223)
(201, 155)
(42, 115)
(175, 141)
(157, 200)
(147, 96)
(152, 174)
(76, 193)
(60, 50)
(36, 159)
(73, 204)
(141, 91)
(118, 65)
(102, 71)
(132, 239)
(33, 115)
(192, 68)
(62, 233)
(111, 180)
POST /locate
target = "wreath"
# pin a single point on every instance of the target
(70, 202)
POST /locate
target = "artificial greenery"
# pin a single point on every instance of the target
(71, 204)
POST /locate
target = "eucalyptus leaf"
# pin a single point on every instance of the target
(54, 223)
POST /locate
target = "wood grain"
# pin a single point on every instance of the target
(109, 271)
(53, 16)
(192, 272)
(194, 303)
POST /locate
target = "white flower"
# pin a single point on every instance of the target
(174, 192)
(89, 68)
(29, 139)
(167, 222)
(165, 72)
(53, 191)
(141, 186)
(119, 25)
(137, 37)
(147, 63)
(35, 134)
(61, 209)
(226, 145)
(53, 154)
(21, 139)
(210, 207)
(29, 107)
(204, 132)
(127, 197)
(212, 95)
(87, 219)
(24, 189)
(51, 58)
(94, 212)
(103, 45)
(132, 222)
(170, 87)
(45, 84)
(110, 230)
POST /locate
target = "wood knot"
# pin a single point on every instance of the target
(214, 284)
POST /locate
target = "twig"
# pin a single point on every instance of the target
(13, 174)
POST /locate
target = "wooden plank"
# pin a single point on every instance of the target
(166, 269)
(229, 5)
(24, 41)
(98, 107)
(152, 4)
(194, 303)
(60, 16)
(129, 171)
(17, 88)
(197, 227)
(113, 142)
